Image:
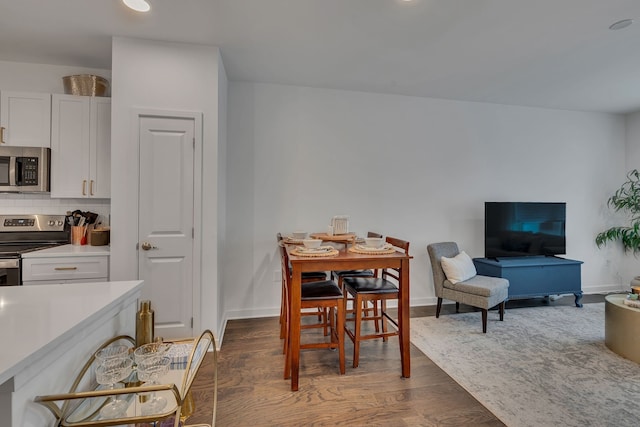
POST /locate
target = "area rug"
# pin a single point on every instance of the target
(542, 366)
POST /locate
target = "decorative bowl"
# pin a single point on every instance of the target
(312, 243)
(374, 242)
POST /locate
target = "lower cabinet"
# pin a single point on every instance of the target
(40, 271)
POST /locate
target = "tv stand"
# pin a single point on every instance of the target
(535, 276)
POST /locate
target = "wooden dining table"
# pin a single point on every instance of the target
(346, 260)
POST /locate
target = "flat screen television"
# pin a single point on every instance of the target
(518, 229)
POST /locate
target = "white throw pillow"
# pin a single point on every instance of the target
(458, 268)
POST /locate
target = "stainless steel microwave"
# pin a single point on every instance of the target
(24, 169)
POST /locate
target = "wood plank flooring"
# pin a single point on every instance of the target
(252, 391)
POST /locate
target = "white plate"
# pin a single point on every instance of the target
(320, 250)
(367, 248)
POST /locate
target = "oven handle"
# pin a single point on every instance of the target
(10, 263)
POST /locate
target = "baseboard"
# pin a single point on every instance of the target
(606, 289)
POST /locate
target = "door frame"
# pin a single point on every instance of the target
(137, 114)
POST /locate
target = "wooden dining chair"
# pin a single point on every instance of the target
(308, 276)
(376, 290)
(323, 295)
(339, 276)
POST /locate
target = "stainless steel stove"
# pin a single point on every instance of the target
(25, 233)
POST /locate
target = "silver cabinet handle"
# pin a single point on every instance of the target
(66, 268)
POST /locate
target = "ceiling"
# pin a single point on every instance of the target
(542, 53)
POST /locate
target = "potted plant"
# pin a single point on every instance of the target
(625, 199)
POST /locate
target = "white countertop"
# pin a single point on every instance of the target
(36, 318)
(68, 250)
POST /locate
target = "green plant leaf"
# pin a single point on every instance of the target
(626, 199)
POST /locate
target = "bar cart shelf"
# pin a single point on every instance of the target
(80, 407)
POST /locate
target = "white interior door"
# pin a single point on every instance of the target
(166, 221)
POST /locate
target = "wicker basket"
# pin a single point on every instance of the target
(85, 85)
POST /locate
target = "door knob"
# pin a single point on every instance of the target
(146, 246)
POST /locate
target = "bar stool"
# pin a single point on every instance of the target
(322, 295)
(374, 290)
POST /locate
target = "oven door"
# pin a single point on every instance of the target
(10, 272)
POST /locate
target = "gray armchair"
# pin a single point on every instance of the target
(483, 292)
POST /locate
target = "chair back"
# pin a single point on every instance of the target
(437, 251)
(403, 245)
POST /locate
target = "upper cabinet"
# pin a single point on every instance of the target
(25, 119)
(80, 146)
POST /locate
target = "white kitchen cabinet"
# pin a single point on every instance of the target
(80, 269)
(80, 147)
(25, 119)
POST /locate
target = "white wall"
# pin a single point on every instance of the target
(419, 169)
(18, 76)
(163, 76)
(633, 142)
(222, 239)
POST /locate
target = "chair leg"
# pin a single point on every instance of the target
(375, 313)
(322, 316)
(383, 309)
(357, 331)
(502, 304)
(484, 320)
(457, 307)
(438, 307)
(339, 330)
(283, 305)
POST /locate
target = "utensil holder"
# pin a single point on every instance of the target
(77, 233)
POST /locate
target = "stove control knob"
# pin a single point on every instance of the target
(52, 222)
(60, 223)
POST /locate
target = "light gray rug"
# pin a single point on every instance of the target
(542, 366)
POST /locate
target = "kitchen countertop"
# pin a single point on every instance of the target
(48, 333)
(68, 250)
(39, 317)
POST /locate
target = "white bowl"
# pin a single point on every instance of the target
(374, 242)
(312, 243)
(299, 235)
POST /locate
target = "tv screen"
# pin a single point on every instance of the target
(517, 229)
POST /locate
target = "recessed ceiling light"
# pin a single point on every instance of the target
(137, 5)
(621, 24)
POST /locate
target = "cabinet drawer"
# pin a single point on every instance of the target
(94, 267)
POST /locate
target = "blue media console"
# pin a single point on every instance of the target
(535, 276)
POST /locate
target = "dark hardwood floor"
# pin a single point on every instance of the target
(252, 391)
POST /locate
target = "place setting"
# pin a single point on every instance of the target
(295, 238)
(372, 246)
(314, 248)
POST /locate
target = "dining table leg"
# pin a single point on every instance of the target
(404, 319)
(294, 325)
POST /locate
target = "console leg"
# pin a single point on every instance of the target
(578, 296)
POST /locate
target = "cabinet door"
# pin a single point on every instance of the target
(100, 164)
(26, 118)
(70, 134)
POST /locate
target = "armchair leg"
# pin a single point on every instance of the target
(502, 310)
(457, 307)
(438, 307)
(484, 320)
